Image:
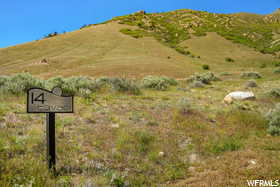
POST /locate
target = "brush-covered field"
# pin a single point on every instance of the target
(154, 131)
(148, 109)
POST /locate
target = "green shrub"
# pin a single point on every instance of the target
(118, 85)
(275, 92)
(205, 67)
(124, 85)
(251, 84)
(102, 81)
(197, 84)
(158, 83)
(276, 64)
(137, 33)
(277, 71)
(205, 78)
(225, 144)
(67, 87)
(225, 74)
(20, 83)
(273, 118)
(170, 81)
(274, 130)
(144, 140)
(251, 75)
(182, 51)
(136, 142)
(152, 123)
(184, 106)
(263, 65)
(53, 34)
(3, 80)
(228, 59)
(81, 86)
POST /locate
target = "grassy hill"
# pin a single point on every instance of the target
(140, 44)
(149, 107)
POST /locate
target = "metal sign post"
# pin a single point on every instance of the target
(43, 101)
(51, 140)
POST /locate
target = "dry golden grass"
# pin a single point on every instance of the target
(96, 51)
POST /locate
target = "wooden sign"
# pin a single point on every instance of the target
(43, 101)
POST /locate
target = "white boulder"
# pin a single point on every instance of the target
(238, 95)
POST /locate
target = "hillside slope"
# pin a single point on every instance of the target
(174, 44)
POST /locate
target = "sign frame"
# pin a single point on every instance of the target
(42, 112)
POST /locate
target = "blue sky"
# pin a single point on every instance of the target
(23, 21)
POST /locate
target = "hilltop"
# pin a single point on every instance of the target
(175, 44)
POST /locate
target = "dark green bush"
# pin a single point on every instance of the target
(276, 64)
(182, 51)
(205, 67)
(53, 34)
(228, 59)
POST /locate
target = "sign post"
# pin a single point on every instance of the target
(43, 101)
(51, 140)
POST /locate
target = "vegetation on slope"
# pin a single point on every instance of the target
(174, 27)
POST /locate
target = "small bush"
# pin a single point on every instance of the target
(81, 86)
(277, 71)
(273, 118)
(152, 123)
(263, 65)
(276, 64)
(205, 67)
(228, 59)
(68, 88)
(158, 83)
(144, 140)
(53, 34)
(182, 51)
(251, 75)
(225, 144)
(118, 85)
(275, 92)
(273, 130)
(251, 84)
(134, 33)
(197, 84)
(225, 74)
(124, 85)
(184, 106)
(205, 78)
(136, 142)
(3, 80)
